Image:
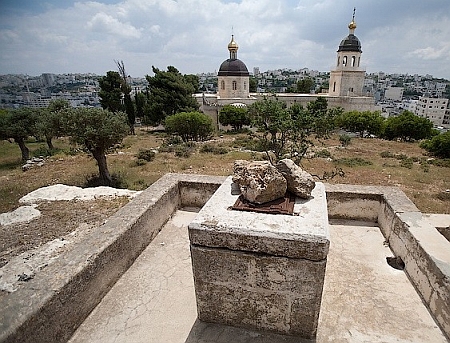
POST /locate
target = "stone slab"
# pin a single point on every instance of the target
(304, 235)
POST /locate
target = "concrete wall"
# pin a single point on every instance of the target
(51, 306)
(410, 236)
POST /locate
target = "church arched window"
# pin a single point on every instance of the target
(344, 61)
(245, 85)
(359, 59)
(339, 60)
(222, 84)
(234, 85)
(353, 61)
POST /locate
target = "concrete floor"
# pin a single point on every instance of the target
(364, 299)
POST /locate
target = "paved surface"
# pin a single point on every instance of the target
(364, 299)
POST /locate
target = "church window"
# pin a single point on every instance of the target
(359, 59)
(353, 61)
(339, 60)
(245, 85)
(234, 85)
(334, 87)
(344, 61)
(222, 84)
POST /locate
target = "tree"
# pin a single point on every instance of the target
(97, 130)
(50, 123)
(302, 86)
(234, 116)
(439, 145)
(190, 126)
(111, 91)
(364, 123)
(407, 127)
(126, 90)
(322, 118)
(19, 124)
(170, 93)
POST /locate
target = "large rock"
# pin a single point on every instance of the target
(259, 181)
(299, 181)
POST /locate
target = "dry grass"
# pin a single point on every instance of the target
(421, 184)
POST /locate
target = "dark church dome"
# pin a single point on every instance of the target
(233, 67)
(350, 43)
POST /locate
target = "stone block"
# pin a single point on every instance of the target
(260, 271)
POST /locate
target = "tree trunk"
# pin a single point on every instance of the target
(23, 148)
(48, 139)
(104, 175)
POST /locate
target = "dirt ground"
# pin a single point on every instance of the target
(57, 219)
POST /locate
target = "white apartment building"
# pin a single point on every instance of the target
(434, 109)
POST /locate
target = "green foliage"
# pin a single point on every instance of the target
(234, 116)
(111, 91)
(353, 162)
(170, 93)
(50, 123)
(146, 155)
(285, 132)
(324, 153)
(190, 126)
(302, 86)
(345, 140)
(407, 163)
(441, 163)
(364, 123)
(443, 196)
(19, 124)
(213, 149)
(438, 145)
(97, 130)
(387, 154)
(407, 127)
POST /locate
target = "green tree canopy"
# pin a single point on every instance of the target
(97, 130)
(111, 91)
(19, 124)
(439, 145)
(190, 126)
(234, 116)
(50, 120)
(364, 123)
(407, 127)
(170, 93)
(302, 86)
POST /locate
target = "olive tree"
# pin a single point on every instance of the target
(190, 126)
(19, 124)
(97, 130)
(234, 116)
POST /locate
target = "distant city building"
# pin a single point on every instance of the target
(393, 93)
(435, 109)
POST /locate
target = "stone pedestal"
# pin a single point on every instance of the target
(260, 271)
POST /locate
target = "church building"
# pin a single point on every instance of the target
(345, 90)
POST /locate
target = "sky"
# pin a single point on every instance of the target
(64, 36)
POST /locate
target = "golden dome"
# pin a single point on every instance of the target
(352, 25)
(232, 46)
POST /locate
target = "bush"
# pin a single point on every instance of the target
(140, 162)
(147, 155)
(406, 163)
(324, 153)
(444, 196)
(183, 151)
(441, 163)
(387, 154)
(345, 139)
(439, 145)
(118, 181)
(353, 162)
(216, 150)
(190, 126)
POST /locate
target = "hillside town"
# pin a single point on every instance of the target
(426, 96)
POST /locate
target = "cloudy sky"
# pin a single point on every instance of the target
(64, 36)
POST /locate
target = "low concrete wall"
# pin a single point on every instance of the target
(410, 236)
(50, 307)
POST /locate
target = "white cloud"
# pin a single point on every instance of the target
(102, 22)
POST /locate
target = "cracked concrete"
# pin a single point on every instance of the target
(364, 299)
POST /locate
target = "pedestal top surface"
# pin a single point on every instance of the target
(303, 235)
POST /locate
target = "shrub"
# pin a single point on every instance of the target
(441, 163)
(387, 154)
(444, 196)
(345, 139)
(439, 145)
(147, 155)
(190, 126)
(216, 150)
(353, 162)
(183, 151)
(140, 162)
(324, 153)
(407, 163)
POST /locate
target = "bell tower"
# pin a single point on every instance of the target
(347, 78)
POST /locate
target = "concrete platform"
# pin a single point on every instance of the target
(364, 299)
